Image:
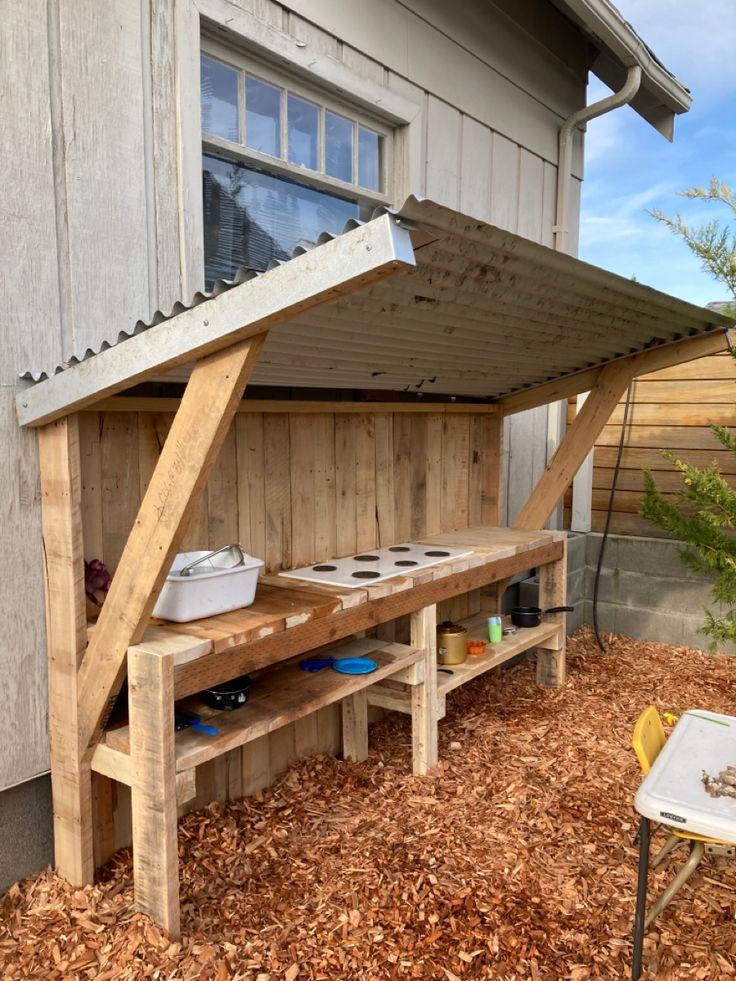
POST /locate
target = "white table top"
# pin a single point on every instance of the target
(672, 793)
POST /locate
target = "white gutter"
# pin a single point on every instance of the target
(662, 95)
(583, 481)
(564, 160)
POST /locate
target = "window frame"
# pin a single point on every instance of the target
(246, 63)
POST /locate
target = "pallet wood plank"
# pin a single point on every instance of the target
(424, 695)
(551, 668)
(153, 790)
(66, 626)
(212, 395)
(355, 727)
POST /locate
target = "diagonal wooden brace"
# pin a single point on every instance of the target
(578, 441)
(207, 408)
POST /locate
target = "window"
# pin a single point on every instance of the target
(280, 164)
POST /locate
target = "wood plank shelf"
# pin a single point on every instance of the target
(494, 654)
(281, 697)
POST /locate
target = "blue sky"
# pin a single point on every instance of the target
(630, 168)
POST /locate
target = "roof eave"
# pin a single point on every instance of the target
(661, 96)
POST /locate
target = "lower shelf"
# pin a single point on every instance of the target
(283, 696)
(397, 698)
(494, 654)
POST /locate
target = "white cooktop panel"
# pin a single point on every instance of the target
(377, 564)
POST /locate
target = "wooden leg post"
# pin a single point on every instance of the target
(551, 670)
(66, 630)
(355, 727)
(424, 696)
(153, 791)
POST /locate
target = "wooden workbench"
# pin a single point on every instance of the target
(289, 618)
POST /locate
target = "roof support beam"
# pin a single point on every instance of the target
(652, 360)
(191, 448)
(349, 262)
(576, 444)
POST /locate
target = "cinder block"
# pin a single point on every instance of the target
(656, 556)
(592, 548)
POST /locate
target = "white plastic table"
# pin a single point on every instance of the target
(672, 793)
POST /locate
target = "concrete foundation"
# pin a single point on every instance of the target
(26, 832)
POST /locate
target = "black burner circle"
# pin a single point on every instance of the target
(399, 548)
(324, 568)
(437, 554)
(405, 562)
(365, 558)
(366, 574)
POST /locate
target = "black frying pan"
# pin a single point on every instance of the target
(531, 616)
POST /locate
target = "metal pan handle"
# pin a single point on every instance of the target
(237, 550)
(560, 609)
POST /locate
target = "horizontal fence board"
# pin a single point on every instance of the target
(671, 410)
(695, 391)
(681, 414)
(715, 366)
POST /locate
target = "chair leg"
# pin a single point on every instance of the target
(641, 898)
(677, 883)
(672, 842)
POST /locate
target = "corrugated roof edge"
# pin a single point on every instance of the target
(242, 275)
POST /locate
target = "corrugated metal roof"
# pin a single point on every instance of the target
(484, 313)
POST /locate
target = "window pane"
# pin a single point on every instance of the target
(219, 97)
(251, 217)
(369, 159)
(303, 120)
(262, 116)
(339, 147)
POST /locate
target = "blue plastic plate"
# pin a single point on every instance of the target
(354, 665)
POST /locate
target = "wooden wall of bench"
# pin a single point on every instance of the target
(295, 483)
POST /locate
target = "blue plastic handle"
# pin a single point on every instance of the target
(316, 663)
(208, 730)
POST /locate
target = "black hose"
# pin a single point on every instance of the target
(604, 538)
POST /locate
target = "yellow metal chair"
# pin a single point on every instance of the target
(648, 739)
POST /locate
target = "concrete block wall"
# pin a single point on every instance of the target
(576, 577)
(645, 591)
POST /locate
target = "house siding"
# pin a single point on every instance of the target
(104, 185)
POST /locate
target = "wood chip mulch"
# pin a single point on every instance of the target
(515, 861)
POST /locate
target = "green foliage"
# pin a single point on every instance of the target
(713, 243)
(703, 514)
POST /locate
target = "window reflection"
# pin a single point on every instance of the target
(219, 99)
(369, 155)
(263, 116)
(251, 218)
(339, 147)
(303, 120)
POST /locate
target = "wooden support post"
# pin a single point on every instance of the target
(197, 433)
(491, 499)
(551, 670)
(66, 631)
(577, 443)
(355, 727)
(424, 696)
(153, 791)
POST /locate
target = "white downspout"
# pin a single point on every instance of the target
(624, 95)
(583, 481)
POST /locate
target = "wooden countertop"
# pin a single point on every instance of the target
(288, 618)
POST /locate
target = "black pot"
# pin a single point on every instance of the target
(531, 616)
(229, 695)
